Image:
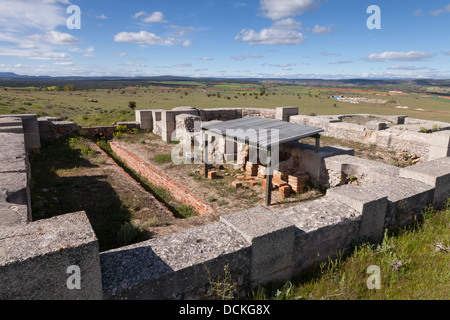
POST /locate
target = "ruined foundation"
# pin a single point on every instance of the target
(257, 245)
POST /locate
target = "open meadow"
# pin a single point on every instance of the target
(93, 107)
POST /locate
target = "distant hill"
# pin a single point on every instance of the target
(10, 79)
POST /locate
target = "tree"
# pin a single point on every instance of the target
(132, 105)
(69, 87)
(263, 90)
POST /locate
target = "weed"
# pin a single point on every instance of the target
(162, 158)
(127, 233)
(222, 288)
(184, 212)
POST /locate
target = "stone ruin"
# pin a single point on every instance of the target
(258, 245)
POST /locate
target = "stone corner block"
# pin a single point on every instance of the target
(272, 238)
(371, 205)
(434, 173)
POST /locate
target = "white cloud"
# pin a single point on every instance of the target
(50, 56)
(183, 65)
(54, 37)
(181, 31)
(399, 56)
(322, 29)
(20, 15)
(187, 43)
(418, 13)
(439, 12)
(155, 17)
(283, 65)
(207, 58)
(341, 62)
(139, 14)
(143, 37)
(131, 64)
(328, 54)
(247, 56)
(121, 54)
(278, 9)
(66, 63)
(282, 32)
(411, 68)
(102, 17)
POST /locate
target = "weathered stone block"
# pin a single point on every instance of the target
(176, 266)
(435, 173)
(376, 126)
(272, 238)
(145, 119)
(35, 259)
(440, 145)
(372, 207)
(283, 113)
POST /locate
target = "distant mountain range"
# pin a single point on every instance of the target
(16, 80)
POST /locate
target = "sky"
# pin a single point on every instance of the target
(297, 39)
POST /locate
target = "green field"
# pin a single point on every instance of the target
(113, 104)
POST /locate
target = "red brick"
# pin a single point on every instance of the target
(212, 175)
(236, 184)
(285, 191)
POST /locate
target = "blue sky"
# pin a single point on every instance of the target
(227, 38)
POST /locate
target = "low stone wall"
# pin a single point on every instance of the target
(259, 245)
(35, 260)
(159, 179)
(35, 256)
(14, 174)
(427, 146)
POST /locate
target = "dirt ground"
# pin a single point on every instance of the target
(217, 193)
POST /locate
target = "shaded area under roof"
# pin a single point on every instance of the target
(259, 132)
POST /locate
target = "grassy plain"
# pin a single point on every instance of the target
(106, 106)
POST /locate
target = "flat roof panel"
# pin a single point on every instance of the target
(257, 131)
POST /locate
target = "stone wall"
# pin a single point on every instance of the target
(257, 245)
(427, 146)
(35, 256)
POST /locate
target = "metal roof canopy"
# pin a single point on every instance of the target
(256, 132)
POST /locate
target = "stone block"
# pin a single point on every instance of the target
(175, 266)
(371, 205)
(440, 145)
(376, 126)
(35, 260)
(272, 239)
(283, 113)
(434, 173)
(144, 114)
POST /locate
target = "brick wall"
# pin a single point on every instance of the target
(161, 180)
